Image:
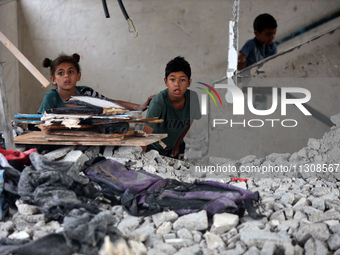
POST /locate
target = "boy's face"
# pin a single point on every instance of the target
(178, 83)
(266, 36)
(65, 76)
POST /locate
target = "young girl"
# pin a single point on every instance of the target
(65, 73)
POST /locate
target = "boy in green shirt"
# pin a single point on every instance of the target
(173, 106)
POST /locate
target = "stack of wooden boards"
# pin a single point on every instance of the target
(88, 119)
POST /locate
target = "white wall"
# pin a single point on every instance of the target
(10, 65)
(127, 68)
(113, 62)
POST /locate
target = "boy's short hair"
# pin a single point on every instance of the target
(176, 65)
(264, 21)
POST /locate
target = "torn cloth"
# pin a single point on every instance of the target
(55, 186)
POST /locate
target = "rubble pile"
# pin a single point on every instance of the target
(301, 209)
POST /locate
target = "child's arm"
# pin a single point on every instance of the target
(241, 63)
(175, 150)
(132, 106)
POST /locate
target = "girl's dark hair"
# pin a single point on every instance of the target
(62, 58)
(264, 21)
(176, 65)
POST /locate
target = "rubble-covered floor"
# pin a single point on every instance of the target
(302, 211)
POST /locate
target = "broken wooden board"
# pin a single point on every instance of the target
(88, 133)
(38, 137)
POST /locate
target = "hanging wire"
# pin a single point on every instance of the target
(126, 15)
(131, 25)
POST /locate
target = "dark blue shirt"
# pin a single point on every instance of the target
(254, 51)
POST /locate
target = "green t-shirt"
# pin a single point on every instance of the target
(175, 121)
(52, 98)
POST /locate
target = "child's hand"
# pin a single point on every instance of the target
(175, 151)
(241, 63)
(145, 106)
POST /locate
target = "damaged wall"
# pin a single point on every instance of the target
(10, 65)
(118, 65)
(113, 62)
(313, 66)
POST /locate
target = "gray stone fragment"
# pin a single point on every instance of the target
(331, 214)
(92, 152)
(179, 243)
(278, 215)
(19, 235)
(108, 151)
(169, 236)
(252, 251)
(299, 215)
(195, 249)
(193, 221)
(302, 202)
(239, 249)
(316, 230)
(129, 224)
(142, 232)
(268, 248)
(334, 242)
(318, 203)
(59, 153)
(315, 247)
(159, 218)
(184, 233)
(197, 236)
(75, 156)
(223, 222)
(313, 144)
(336, 119)
(163, 248)
(320, 191)
(335, 228)
(26, 208)
(213, 241)
(289, 212)
(258, 238)
(288, 224)
(287, 199)
(164, 229)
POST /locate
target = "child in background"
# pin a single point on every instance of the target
(173, 106)
(65, 73)
(262, 45)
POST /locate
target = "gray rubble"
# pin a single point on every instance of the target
(302, 210)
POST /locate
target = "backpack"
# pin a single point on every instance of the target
(142, 193)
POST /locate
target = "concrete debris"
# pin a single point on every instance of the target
(301, 209)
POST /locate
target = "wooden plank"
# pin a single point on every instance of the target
(33, 70)
(85, 134)
(38, 137)
(4, 113)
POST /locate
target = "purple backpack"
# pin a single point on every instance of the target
(142, 193)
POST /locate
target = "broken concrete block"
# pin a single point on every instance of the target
(58, 153)
(213, 241)
(223, 222)
(192, 221)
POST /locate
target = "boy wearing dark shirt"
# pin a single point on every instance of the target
(173, 106)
